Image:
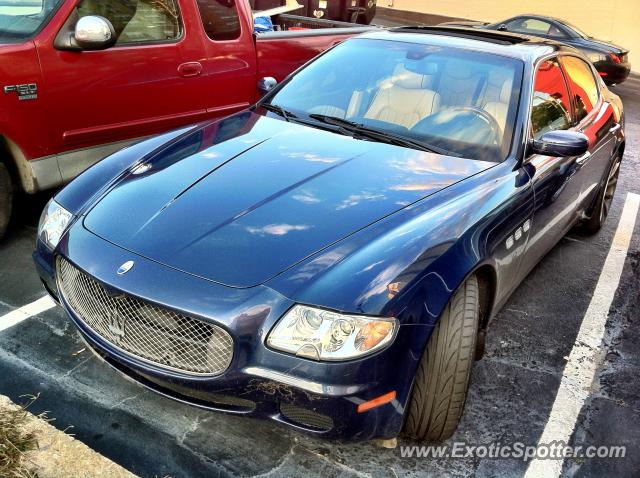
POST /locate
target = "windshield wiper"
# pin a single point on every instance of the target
(382, 136)
(287, 115)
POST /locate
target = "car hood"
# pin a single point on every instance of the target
(243, 199)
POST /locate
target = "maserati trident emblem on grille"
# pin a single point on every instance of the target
(116, 322)
(126, 267)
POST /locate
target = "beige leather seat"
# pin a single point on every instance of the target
(500, 108)
(458, 85)
(495, 81)
(404, 99)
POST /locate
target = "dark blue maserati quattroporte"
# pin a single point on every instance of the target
(331, 257)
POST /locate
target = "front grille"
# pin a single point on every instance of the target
(306, 418)
(155, 334)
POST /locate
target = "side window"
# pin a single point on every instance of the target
(583, 85)
(551, 104)
(137, 21)
(555, 32)
(220, 19)
(529, 26)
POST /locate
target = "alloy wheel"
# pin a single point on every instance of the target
(609, 191)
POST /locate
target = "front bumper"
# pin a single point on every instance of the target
(317, 397)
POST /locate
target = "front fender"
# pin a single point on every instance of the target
(408, 265)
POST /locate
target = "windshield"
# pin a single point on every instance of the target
(447, 99)
(19, 19)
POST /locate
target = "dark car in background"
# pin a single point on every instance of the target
(331, 257)
(611, 60)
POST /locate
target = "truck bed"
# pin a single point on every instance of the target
(297, 40)
(288, 21)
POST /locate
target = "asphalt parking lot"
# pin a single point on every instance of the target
(512, 394)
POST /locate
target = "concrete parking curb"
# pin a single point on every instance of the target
(59, 455)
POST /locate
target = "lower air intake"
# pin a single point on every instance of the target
(306, 418)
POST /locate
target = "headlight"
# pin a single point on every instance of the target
(53, 224)
(324, 335)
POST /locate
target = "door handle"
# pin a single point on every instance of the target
(615, 128)
(192, 68)
(583, 159)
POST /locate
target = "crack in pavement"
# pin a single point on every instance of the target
(285, 458)
(342, 466)
(74, 368)
(119, 404)
(192, 429)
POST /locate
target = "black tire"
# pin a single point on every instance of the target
(603, 203)
(441, 382)
(370, 15)
(6, 199)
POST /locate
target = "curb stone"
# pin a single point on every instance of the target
(60, 455)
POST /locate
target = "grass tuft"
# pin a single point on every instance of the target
(14, 442)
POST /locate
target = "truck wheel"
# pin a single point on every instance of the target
(6, 198)
(441, 382)
(370, 15)
(605, 198)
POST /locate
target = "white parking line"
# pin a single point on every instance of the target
(586, 354)
(23, 313)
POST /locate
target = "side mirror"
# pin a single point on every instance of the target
(502, 28)
(265, 85)
(94, 33)
(86, 33)
(561, 143)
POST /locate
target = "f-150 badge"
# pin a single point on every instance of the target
(28, 91)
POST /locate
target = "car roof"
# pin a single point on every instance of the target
(523, 47)
(537, 16)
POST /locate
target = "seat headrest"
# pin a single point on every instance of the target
(505, 91)
(458, 70)
(408, 79)
(501, 81)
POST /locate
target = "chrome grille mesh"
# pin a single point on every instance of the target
(149, 332)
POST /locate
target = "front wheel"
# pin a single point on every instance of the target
(441, 382)
(6, 198)
(604, 201)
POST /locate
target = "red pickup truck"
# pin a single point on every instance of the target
(81, 79)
